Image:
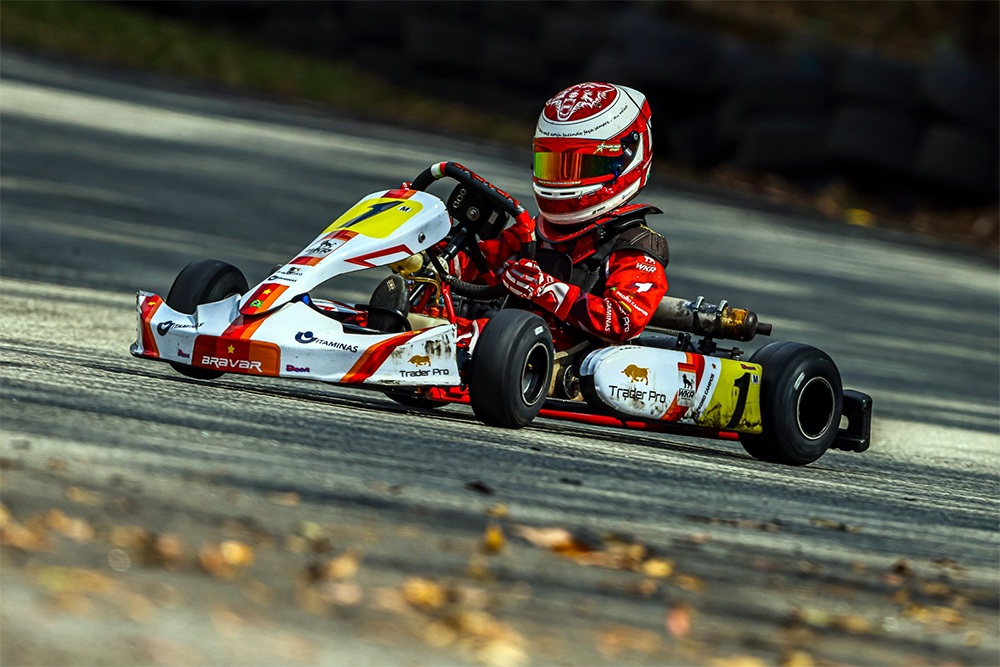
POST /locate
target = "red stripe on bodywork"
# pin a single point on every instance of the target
(267, 294)
(149, 307)
(374, 357)
(363, 259)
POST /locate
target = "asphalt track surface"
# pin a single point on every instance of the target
(112, 182)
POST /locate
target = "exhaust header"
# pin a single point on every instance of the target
(709, 320)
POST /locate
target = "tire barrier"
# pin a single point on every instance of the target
(933, 126)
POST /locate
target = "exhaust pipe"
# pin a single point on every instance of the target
(709, 320)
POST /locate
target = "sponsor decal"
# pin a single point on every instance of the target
(642, 287)
(231, 364)
(295, 369)
(420, 360)
(240, 356)
(685, 395)
(424, 372)
(648, 268)
(611, 148)
(754, 378)
(748, 367)
(163, 327)
(580, 101)
(324, 247)
(633, 394)
(635, 373)
(288, 274)
(256, 303)
(704, 397)
(307, 337)
(183, 355)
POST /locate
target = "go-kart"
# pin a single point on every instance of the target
(786, 404)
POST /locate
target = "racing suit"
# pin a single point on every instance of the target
(603, 281)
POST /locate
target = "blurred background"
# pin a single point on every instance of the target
(872, 113)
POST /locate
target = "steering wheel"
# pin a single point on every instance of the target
(464, 238)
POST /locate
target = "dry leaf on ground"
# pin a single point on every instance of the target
(494, 540)
(679, 621)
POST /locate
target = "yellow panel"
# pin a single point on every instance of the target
(736, 388)
(378, 217)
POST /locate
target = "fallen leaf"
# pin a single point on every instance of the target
(548, 538)
(658, 567)
(341, 593)
(310, 530)
(439, 634)
(129, 536)
(689, 583)
(389, 599)
(797, 659)
(22, 537)
(735, 523)
(617, 639)
(344, 566)
(79, 495)
(289, 499)
(77, 530)
(5, 515)
(424, 593)
(479, 487)
(494, 541)
(226, 559)
(902, 567)
(57, 465)
(498, 511)
(834, 525)
(679, 621)
(646, 587)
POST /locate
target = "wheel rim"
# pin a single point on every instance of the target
(814, 408)
(533, 373)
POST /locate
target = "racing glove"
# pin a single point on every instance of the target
(525, 279)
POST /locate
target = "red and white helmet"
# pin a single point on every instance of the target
(593, 150)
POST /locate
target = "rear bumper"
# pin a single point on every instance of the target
(857, 437)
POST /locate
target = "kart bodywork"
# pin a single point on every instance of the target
(669, 382)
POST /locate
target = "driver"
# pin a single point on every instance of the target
(598, 268)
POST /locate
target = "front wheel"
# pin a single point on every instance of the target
(801, 400)
(203, 281)
(511, 369)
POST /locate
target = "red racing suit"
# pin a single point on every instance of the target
(618, 275)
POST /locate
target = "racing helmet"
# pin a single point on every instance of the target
(593, 149)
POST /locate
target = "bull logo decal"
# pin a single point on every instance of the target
(635, 374)
(420, 360)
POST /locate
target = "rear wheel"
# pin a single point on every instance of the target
(801, 398)
(511, 369)
(203, 281)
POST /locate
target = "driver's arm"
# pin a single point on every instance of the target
(635, 285)
(497, 251)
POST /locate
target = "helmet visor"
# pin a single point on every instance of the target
(589, 163)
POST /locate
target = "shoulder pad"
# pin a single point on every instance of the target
(646, 240)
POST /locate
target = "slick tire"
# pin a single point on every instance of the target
(203, 281)
(511, 369)
(801, 400)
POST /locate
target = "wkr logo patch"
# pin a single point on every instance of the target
(236, 356)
